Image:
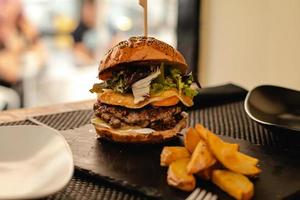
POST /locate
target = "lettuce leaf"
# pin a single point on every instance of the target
(167, 79)
(187, 87)
(188, 91)
(98, 87)
(172, 78)
(118, 83)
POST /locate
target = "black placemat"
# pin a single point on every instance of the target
(226, 119)
(229, 119)
(66, 120)
(16, 123)
(87, 187)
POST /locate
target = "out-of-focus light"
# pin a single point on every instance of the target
(124, 23)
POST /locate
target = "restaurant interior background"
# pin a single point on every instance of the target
(50, 49)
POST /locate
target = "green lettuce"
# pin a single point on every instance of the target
(168, 78)
(187, 89)
(117, 84)
(172, 78)
(161, 82)
(98, 87)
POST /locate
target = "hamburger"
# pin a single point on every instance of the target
(143, 92)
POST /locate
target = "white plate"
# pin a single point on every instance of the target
(34, 162)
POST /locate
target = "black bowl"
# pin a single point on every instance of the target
(274, 106)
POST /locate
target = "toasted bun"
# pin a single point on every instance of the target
(141, 49)
(132, 137)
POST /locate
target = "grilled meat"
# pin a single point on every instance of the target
(157, 118)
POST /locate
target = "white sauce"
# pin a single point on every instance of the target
(101, 123)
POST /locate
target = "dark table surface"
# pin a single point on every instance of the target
(222, 112)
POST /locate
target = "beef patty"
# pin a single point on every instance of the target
(157, 118)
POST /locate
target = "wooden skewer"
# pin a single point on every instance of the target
(144, 3)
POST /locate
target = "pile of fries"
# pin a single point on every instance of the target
(206, 155)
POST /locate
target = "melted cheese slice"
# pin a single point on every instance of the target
(127, 100)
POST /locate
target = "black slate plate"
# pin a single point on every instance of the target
(137, 167)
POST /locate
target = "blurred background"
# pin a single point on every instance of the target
(50, 49)
(250, 42)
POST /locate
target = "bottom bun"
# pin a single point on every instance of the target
(133, 137)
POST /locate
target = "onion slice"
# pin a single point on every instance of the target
(141, 88)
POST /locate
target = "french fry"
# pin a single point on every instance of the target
(191, 139)
(201, 158)
(232, 159)
(204, 132)
(201, 131)
(236, 185)
(178, 176)
(171, 154)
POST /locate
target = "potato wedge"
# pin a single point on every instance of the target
(236, 185)
(171, 154)
(232, 159)
(201, 159)
(204, 132)
(250, 159)
(191, 139)
(178, 176)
